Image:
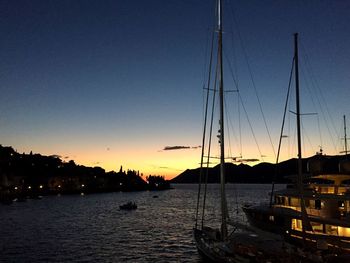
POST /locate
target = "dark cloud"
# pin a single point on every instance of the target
(196, 147)
(177, 147)
(247, 160)
(170, 148)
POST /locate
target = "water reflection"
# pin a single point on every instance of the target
(92, 227)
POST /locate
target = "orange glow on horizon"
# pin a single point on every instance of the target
(146, 158)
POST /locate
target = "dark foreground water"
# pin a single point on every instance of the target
(91, 228)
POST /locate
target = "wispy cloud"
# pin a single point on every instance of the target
(196, 147)
(247, 160)
(171, 148)
(165, 167)
(177, 147)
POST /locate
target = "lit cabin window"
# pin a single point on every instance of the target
(331, 230)
(295, 202)
(272, 218)
(344, 231)
(317, 227)
(297, 224)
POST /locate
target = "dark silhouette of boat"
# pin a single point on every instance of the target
(128, 206)
(313, 212)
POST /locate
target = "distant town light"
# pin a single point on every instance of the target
(40, 186)
(16, 187)
(29, 187)
(82, 185)
(121, 184)
(59, 186)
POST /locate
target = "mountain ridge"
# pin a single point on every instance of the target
(267, 172)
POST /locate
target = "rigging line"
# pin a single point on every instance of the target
(319, 102)
(251, 127)
(281, 134)
(246, 113)
(209, 142)
(317, 87)
(314, 104)
(235, 81)
(206, 67)
(252, 79)
(320, 132)
(307, 138)
(204, 129)
(228, 130)
(240, 127)
(339, 139)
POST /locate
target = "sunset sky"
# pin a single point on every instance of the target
(111, 83)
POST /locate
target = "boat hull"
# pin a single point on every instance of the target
(208, 244)
(261, 217)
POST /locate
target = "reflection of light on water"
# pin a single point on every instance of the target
(163, 225)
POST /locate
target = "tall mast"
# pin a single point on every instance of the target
(305, 222)
(345, 140)
(297, 103)
(222, 142)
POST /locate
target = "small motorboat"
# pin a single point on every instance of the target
(128, 206)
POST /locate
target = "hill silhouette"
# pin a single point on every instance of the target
(35, 174)
(265, 172)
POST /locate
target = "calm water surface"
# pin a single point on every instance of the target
(90, 228)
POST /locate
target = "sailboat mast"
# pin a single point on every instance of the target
(305, 221)
(345, 140)
(297, 104)
(222, 142)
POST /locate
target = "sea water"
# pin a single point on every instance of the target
(92, 228)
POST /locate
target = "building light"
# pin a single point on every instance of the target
(29, 187)
(40, 186)
(59, 186)
(82, 185)
(16, 187)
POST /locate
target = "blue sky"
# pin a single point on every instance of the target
(112, 83)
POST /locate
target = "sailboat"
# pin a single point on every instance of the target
(231, 241)
(314, 211)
